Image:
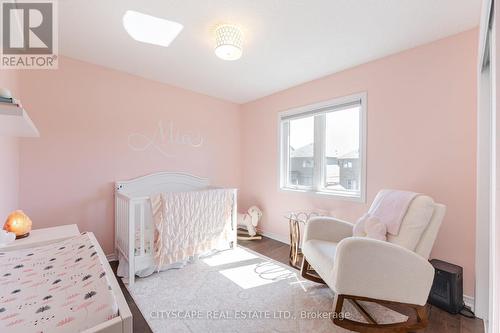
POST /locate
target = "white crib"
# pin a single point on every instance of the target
(134, 230)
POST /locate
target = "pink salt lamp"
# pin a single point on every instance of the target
(18, 223)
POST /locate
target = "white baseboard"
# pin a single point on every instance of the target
(111, 257)
(277, 237)
(469, 301)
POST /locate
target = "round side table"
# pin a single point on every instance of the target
(295, 219)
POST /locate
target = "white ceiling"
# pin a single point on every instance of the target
(287, 42)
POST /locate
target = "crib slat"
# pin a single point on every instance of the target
(142, 231)
(120, 231)
(131, 242)
(124, 224)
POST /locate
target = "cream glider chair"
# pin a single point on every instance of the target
(395, 273)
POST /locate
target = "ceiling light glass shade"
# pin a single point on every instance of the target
(150, 29)
(228, 42)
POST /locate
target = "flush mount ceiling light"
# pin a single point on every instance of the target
(150, 29)
(228, 42)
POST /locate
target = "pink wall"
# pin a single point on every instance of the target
(9, 157)
(421, 136)
(9, 176)
(85, 114)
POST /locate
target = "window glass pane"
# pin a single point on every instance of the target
(301, 152)
(342, 159)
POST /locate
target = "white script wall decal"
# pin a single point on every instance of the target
(163, 138)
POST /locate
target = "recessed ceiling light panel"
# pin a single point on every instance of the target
(228, 42)
(150, 29)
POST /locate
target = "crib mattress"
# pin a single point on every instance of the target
(61, 287)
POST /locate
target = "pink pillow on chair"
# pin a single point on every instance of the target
(376, 229)
(369, 226)
(358, 230)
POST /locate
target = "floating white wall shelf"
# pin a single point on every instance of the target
(14, 121)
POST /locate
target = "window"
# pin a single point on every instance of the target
(322, 148)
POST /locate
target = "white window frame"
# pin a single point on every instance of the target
(319, 146)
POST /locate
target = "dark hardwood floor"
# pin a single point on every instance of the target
(140, 324)
(439, 321)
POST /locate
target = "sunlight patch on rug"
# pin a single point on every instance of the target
(228, 257)
(255, 275)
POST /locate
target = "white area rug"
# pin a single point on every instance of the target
(239, 291)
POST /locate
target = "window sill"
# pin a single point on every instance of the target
(331, 194)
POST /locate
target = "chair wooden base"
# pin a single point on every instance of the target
(417, 316)
(308, 273)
